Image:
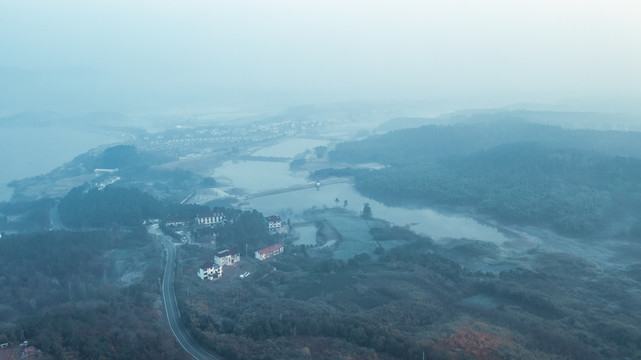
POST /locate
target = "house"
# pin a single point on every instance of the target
(210, 271)
(98, 172)
(209, 218)
(175, 222)
(227, 257)
(269, 252)
(273, 222)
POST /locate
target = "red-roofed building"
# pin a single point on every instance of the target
(227, 257)
(269, 252)
(210, 271)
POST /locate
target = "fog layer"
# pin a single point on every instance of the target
(112, 55)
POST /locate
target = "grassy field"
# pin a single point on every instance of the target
(355, 232)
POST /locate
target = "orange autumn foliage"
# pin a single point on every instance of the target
(475, 343)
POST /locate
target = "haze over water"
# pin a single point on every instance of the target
(28, 152)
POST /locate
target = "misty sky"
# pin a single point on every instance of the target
(330, 50)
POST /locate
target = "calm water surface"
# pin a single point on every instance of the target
(27, 152)
(290, 148)
(425, 221)
(256, 176)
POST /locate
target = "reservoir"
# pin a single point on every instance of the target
(258, 176)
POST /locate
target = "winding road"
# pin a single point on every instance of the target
(171, 305)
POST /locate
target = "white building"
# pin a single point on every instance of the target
(209, 218)
(99, 172)
(176, 222)
(273, 222)
(210, 271)
(227, 257)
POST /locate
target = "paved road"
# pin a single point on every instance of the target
(171, 305)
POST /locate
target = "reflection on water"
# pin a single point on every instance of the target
(424, 221)
(290, 148)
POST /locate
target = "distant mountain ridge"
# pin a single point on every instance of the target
(565, 119)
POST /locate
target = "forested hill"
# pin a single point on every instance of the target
(410, 145)
(524, 173)
(112, 205)
(566, 119)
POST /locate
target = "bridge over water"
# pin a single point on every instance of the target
(297, 188)
(262, 158)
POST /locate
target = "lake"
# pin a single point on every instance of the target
(423, 221)
(290, 148)
(256, 176)
(253, 176)
(32, 151)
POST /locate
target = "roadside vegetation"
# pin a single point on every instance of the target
(85, 295)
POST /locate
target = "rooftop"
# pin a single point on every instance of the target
(207, 265)
(227, 252)
(270, 249)
(273, 218)
(208, 214)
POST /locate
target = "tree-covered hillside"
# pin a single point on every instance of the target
(112, 205)
(524, 173)
(433, 141)
(67, 294)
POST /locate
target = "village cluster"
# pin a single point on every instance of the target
(212, 270)
(230, 257)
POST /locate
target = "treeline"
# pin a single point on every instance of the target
(112, 205)
(373, 340)
(136, 169)
(480, 133)
(115, 205)
(122, 157)
(327, 173)
(576, 192)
